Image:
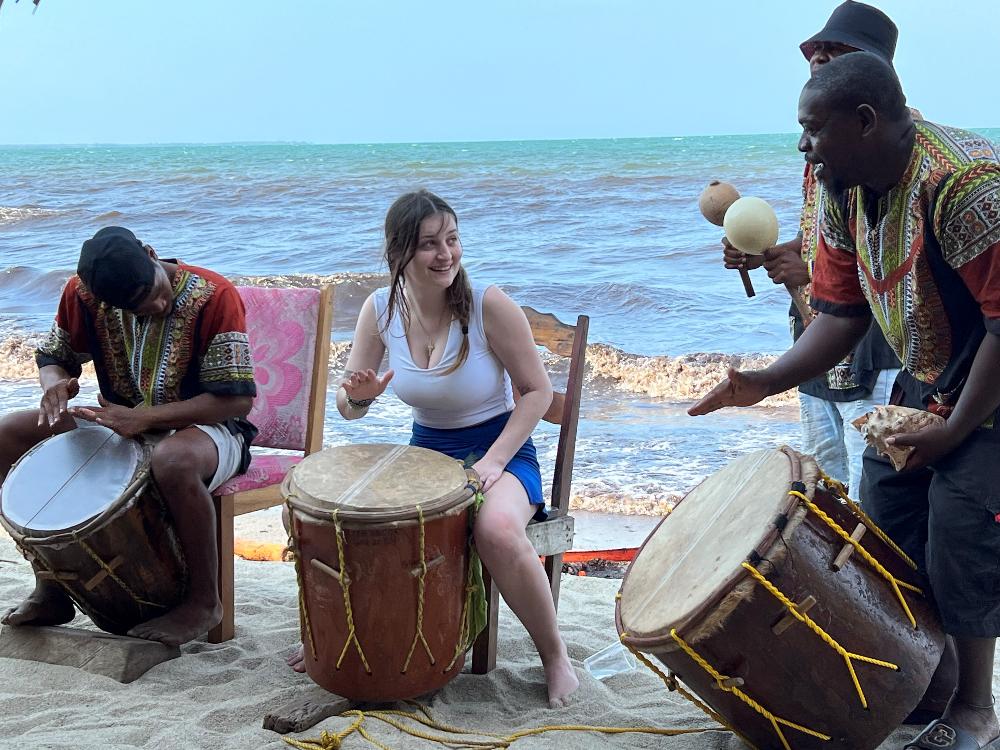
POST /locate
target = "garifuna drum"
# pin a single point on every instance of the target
(381, 538)
(84, 510)
(778, 602)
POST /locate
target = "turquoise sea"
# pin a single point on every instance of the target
(607, 228)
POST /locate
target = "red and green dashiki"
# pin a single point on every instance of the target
(854, 377)
(924, 259)
(201, 346)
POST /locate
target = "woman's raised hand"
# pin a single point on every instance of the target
(365, 384)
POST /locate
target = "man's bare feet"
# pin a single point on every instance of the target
(561, 679)
(297, 659)
(181, 624)
(46, 605)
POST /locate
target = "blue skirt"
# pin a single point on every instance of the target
(469, 444)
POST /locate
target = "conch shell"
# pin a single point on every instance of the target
(885, 421)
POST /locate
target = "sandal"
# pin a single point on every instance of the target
(941, 736)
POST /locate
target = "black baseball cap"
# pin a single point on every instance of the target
(857, 25)
(116, 268)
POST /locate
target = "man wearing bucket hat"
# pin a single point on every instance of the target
(170, 349)
(829, 403)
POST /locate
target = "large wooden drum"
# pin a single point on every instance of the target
(381, 535)
(783, 608)
(83, 508)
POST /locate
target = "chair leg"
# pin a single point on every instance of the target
(484, 650)
(553, 569)
(226, 629)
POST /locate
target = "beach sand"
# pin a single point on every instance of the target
(215, 696)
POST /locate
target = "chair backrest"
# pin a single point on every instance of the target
(289, 332)
(567, 341)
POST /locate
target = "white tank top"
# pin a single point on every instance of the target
(477, 391)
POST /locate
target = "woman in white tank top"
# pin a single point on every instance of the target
(454, 349)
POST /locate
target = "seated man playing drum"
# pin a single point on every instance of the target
(172, 358)
(454, 348)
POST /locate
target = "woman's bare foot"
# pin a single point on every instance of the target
(46, 605)
(182, 624)
(297, 660)
(561, 679)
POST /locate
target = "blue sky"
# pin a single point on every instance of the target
(328, 71)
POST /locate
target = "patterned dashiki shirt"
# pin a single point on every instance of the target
(924, 259)
(200, 347)
(855, 376)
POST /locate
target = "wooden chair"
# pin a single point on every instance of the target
(554, 536)
(289, 332)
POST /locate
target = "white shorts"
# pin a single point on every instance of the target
(230, 448)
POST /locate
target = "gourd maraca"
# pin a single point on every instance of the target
(713, 203)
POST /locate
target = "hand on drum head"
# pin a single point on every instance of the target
(489, 472)
(126, 421)
(54, 400)
(738, 389)
(365, 384)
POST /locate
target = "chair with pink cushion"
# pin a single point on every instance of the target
(289, 333)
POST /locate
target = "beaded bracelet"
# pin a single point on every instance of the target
(362, 404)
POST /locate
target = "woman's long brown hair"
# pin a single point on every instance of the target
(402, 232)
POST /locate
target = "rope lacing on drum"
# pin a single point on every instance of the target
(345, 586)
(894, 582)
(841, 492)
(463, 644)
(421, 576)
(111, 574)
(722, 681)
(848, 656)
(303, 607)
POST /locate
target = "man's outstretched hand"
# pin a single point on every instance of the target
(738, 389)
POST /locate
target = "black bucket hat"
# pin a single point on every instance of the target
(116, 267)
(857, 25)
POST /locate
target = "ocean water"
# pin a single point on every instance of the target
(606, 228)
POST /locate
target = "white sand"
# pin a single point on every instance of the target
(215, 696)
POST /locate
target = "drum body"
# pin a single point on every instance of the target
(691, 600)
(84, 510)
(381, 536)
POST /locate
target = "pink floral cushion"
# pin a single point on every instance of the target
(264, 471)
(281, 324)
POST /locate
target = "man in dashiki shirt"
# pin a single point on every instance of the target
(828, 404)
(911, 239)
(170, 349)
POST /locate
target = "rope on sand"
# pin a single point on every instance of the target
(410, 723)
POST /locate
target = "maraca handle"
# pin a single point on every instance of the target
(747, 284)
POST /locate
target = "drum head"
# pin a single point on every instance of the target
(377, 483)
(697, 550)
(68, 479)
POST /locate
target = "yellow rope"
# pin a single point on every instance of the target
(720, 679)
(111, 574)
(841, 493)
(893, 581)
(463, 644)
(671, 683)
(461, 738)
(419, 634)
(326, 741)
(463, 631)
(345, 587)
(303, 606)
(848, 656)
